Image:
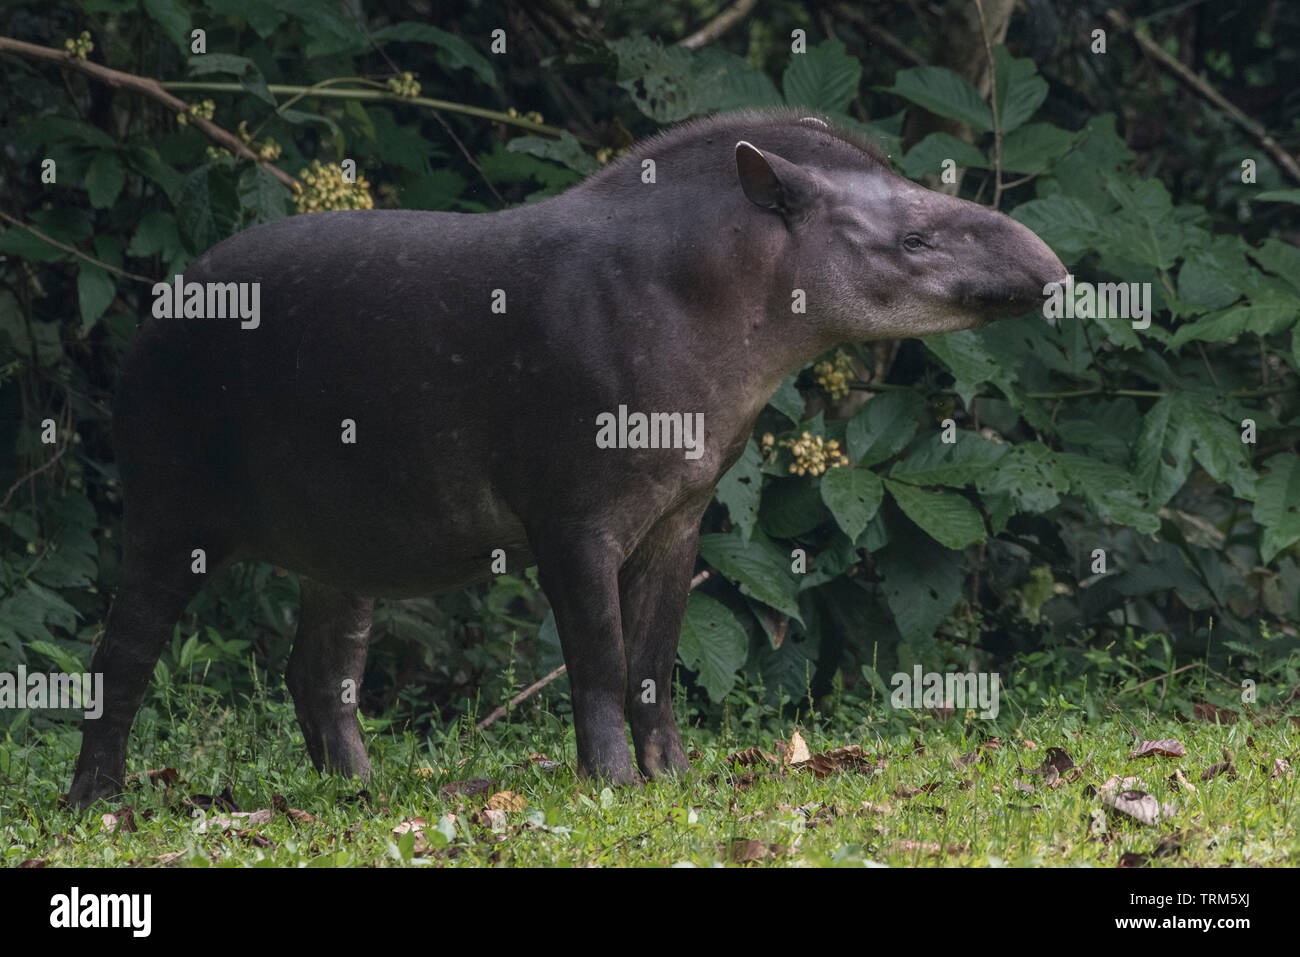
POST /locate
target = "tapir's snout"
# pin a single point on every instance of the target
(1009, 269)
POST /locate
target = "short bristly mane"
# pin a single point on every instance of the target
(742, 124)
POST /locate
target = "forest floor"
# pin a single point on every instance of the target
(222, 786)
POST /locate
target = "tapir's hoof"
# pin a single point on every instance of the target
(664, 756)
(85, 791)
(615, 777)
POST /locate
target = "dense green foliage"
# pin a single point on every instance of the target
(985, 469)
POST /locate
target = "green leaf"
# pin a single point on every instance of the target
(944, 93)
(927, 157)
(95, 291)
(853, 496)
(1278, 257)
(65, 660)
(947, 517)
(883, 426)
(729, 82)
(1029, 474)
(921, 582)
(1020, 92)
(330, 27)
(932, 461)
(741, 488)
(1146, 230)
(1064, 223)
(155, 234)
(438, 189)
(824, 78)
(299, 117)
(249, 74)
(566, 150)
(1111, 492)
(47, 345)
(57, 129)
(1279, 196)
(24, 244)
(173, 17)
(1035, 148)
(1259, 319)
(207, 207)
(1220, 450)
(713, 644)
(761, 571)
(453, 52)
(145, 159)
(788, 400)
(660, 79)
(1163, 452)
(1215, 277)
(263, 194)
(1277, 505)
(104, 179)
(791, 507)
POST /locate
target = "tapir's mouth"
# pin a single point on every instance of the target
(989, 305)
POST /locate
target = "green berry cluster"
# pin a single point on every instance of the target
(532, 116)
(79, 47)
(813, 455)
(203, 109)
(267, 150)
(323, 187)
(404, 85)
(833, 375)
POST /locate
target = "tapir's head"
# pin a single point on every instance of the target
(885, 257)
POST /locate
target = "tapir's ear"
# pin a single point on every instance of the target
(771, 182)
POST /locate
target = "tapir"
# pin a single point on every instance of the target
(418, 392)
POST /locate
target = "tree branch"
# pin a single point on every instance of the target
(539, 684)
(72, 249)
(897, 47)
(719, 25)
(150, 88)
(1181, 71)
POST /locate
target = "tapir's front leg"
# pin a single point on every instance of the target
(580, 577)
(653, 589)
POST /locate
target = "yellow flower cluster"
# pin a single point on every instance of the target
(768, 445)
(79, 47)
(833, 375)
(813, 455)
(405, 85)
(267, 150)
(322, 187)
(204, 109)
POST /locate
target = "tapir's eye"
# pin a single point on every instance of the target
(914, 243)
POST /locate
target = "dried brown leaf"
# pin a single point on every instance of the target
(1205, 711)
(1165, 747)
(749, 756)
(1214, 770)
(464, 788)
(507, 801)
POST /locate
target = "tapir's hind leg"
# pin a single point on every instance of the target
(156, 587)
(324, 676)
(653, 589)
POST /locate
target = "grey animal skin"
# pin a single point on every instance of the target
(475, 429)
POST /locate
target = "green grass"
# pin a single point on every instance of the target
(971, 814)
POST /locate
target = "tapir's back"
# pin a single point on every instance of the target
(363, 330)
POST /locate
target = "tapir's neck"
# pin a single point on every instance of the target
(739, 307)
